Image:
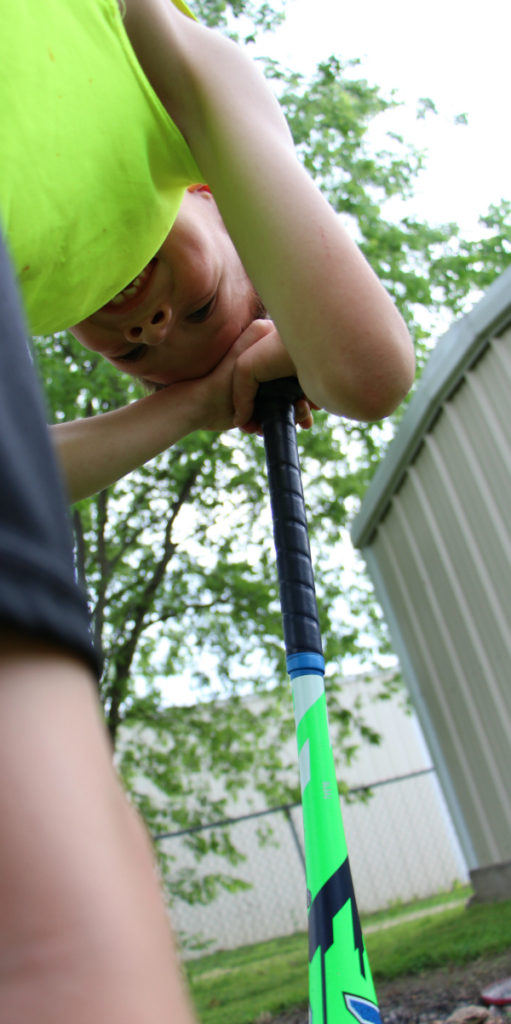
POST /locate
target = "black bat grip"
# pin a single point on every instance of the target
(275, 411)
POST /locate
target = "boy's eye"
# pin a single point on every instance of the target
(133, 355)
(201, 314)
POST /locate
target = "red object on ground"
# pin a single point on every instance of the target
(498, 994)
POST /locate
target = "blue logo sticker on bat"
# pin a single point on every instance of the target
(362, 1009)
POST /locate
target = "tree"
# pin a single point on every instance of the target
(242, 19)
(177, 558)
(179, 567)
(428, 268)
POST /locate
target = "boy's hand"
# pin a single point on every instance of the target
(224, 398)
(262, 357)
(209, 401)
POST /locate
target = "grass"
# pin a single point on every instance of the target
(237, 986)
(460, 892)
(456, 936)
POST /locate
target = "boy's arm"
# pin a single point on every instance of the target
(96, 451)
(349, 344)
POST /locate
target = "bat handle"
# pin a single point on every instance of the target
(275, 411)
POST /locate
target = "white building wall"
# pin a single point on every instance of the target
(401, 841)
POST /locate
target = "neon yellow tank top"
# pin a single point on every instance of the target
(93, 168)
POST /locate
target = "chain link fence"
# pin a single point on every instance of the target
(402, 847)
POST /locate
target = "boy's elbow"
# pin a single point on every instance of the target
(382, 400)
(389, 386)
(376, 385)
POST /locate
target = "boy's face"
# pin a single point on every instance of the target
(185, 310)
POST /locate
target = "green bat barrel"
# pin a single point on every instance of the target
(340, 983)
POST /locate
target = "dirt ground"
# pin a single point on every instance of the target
(431, 996)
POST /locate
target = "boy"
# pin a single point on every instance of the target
(111, 124)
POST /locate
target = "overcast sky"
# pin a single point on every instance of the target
(458, 54)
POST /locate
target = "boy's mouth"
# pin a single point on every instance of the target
(131, 295)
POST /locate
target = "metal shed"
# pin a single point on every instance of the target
(435, 531)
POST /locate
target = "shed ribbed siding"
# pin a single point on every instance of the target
(438, 545)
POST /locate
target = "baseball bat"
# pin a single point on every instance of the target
(340, 982)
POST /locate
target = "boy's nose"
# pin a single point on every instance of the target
(153, 328)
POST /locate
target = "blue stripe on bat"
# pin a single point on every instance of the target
(304, 663)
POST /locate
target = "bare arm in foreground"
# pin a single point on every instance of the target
(84, 934)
